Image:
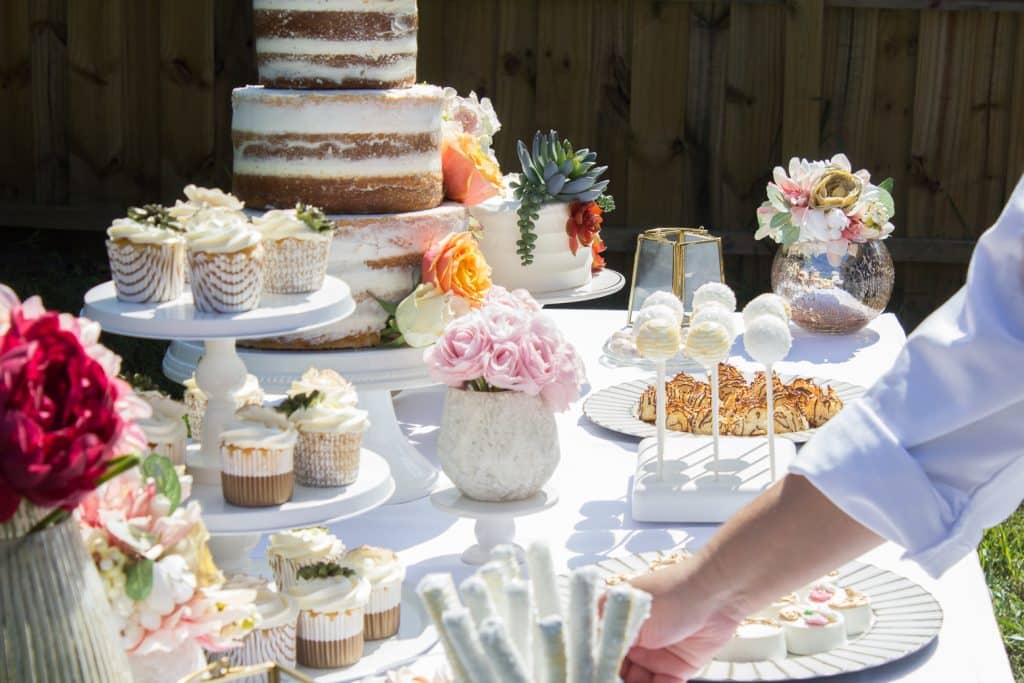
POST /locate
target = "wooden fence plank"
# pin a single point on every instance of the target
(16, 128)
(849, 80)
(430, 51)
(1015, 146)
(234, 66)
(564, 72)
(142, 111)
(515, 78)
(49, 31)
(801, 122)
(610, 73)
(469, 45)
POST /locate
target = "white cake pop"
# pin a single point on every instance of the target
(715, 312)
(708, 343)
(658, 339)
(716, 292)
(664, 298)
(766, 304)
(767, 339)
(657, 311)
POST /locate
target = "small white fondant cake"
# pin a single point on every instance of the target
(852, 604)
(812, 629)
(772, 611)
(756, 639)
(554, 265)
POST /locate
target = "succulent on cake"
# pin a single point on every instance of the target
(554, 172)
(324, 570)
(470, 169)
(313, 217)
(296, 402)
(157, 215)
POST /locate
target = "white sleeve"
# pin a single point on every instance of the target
(934, 452)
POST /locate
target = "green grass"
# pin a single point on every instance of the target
(61, 266)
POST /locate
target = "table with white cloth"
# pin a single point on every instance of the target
(592, 521)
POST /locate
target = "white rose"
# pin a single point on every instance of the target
(423, 315)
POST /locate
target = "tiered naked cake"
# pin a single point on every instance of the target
(369, 158)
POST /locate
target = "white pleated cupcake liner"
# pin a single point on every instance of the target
(226, 282)
(295, 266)
(145, 273)
(325, 459)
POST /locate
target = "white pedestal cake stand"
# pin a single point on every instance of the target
(375, 373)
(605, 283)
(221, 372)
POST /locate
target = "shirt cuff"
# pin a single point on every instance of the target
(858, 464)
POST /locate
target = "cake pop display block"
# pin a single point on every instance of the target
(689, 491)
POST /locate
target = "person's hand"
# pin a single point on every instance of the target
(687, 626)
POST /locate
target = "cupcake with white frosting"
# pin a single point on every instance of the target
(290, 551)
(200, 198)
(323, 407)
(273, 639)
(332, 601)
(165, 430)
(385, 572)
(257, 458)
(195, 401)
(146, 251)
(225, 259)
(297, 243)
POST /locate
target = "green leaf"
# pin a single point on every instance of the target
(138, 577)
(886, 200)
(790, 234)
(299, 402)
(888, 184)
(780, 220)
(776, 199)
(606, 202)
(161, 470)
(388, 307)
(313, 217)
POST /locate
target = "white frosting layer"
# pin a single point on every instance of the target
(754, 641)
(280, 224)
(165, 427)
(265, 431)
(554, 266)
(275, 609)
(395, 70)
(314, 46)
(142, 233)
(331, 626)
(330, 418)
(396, 6)
(403, 110)
(378, 565)
(220, 230)
(198, 198)
(803, 638)
(308, 545)
(406, 164)
(334, 388)
(333, 594)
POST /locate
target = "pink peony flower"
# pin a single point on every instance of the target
(460, 354)
(505, 323)
(517, 298)
(503, 370)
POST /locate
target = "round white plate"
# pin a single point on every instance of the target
(605, 283)
(616, 408)
(415, 636)
(308, 507)
(907, 619)
(179, 319)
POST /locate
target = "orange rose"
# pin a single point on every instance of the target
(456, 265)
(470, 175)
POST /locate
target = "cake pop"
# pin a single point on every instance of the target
(709, 343)
(669, 299)
(659, 340)
(715, 312)
(766, 304)
(714, 292)
(657, 311)
(767, 339)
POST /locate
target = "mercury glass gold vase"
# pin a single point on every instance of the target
(55, 622)
(838, 296)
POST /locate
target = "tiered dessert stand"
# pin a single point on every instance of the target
(605, 283)
(221, 372)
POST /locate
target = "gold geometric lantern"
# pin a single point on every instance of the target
(222, 670)
(678, 260)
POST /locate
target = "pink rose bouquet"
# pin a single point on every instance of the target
(66, 420)
(508, 345)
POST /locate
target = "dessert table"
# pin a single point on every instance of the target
(591, 520)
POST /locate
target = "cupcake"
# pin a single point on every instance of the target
(165, 429)
(290, 551)
(385, 572)
(225, 260)
(256, 458)
(322, 406)
(273, 639)
(331, 600)
(195, 402)
(296, 244)
(147, 255)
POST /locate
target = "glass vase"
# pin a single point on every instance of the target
(837, 296)
(55, 622)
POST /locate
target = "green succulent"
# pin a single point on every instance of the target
(156, 215)
(324, 570)
(298, 402)
(313, 217)
(553, 171)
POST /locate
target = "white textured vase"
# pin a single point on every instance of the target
(159, 667)
(497, 446)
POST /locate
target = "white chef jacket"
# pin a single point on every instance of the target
(933, 454)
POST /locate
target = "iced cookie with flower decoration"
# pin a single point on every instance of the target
(811, 629)
(385, 572)
(755, 639)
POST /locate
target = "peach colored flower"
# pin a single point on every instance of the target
(470, 174)
(456, 265)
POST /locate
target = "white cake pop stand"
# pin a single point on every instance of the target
(374, 372)
(495, 522)
(605, 283)
(221, 372)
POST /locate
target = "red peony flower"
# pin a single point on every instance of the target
(62, 416)
(598, 248)
(584, 224)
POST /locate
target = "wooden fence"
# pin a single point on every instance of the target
(104, 103)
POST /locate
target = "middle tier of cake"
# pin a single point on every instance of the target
(379, 257)
(346, 151)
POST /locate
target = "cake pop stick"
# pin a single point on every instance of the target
(582, 623)
(708, 343)
(478, 599)
(507, 555)
(552, 637)
(502, 653)
(658, 339)
(545, 583)
(520, 617)
(620, 610)
(463, 635)
(437, 592)
(767, 339)
(493, 575)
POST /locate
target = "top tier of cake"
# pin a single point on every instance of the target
(336, 43)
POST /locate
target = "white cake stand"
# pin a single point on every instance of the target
(495, 522)
(605, 283)
(375, 372)
(221, 372)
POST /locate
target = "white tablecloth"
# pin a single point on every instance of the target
(592, 521)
